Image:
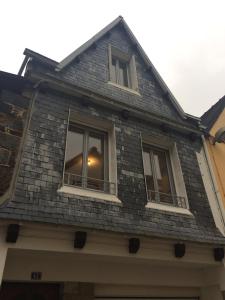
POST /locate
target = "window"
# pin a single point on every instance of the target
(86, 159)
(122, 69)
(159, 178)
(120, 72)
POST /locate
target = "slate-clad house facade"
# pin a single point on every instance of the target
(108, 194)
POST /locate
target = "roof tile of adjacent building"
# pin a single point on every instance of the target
(212, 114)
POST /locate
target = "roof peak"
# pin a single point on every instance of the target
(65, 62)
(91, 42)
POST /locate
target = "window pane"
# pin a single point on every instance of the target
(96, 161)
(122, 74)
(74, 156)
(113, 71)
(162, 175)
(148, 174)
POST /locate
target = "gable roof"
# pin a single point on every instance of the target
(211, 115)
(58, 66)
(65, 62)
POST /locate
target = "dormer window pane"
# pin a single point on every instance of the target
(123, 74)
(119, 72)
(113, 70)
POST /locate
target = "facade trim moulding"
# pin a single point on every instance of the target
(49, 81)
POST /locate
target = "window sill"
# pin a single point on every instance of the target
(124, 88)
(88, 193)
(174, 209)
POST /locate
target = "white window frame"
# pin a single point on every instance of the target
(150, 150)
(100, 125)
(180, 189)
(129, 60)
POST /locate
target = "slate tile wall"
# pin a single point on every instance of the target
(36, 197)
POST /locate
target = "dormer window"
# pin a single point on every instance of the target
(122, 69)
(120, 72)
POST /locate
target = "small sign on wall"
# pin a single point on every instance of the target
(36, 275)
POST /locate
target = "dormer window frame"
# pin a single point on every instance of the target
(120, 72)
(122, 69)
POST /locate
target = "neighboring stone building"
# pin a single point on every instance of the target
(108, 199)
(14, 112)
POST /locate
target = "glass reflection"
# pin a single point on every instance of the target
(85, 158)
(156, 170)
(95, 161)
(74, 156)
(113, 71)
(148, 173)
(162, 175)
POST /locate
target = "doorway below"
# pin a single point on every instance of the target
(29, 291)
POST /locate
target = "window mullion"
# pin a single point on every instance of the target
(117, 71)
(170, 175)
(154, 174)
(106, 165)
(85, 159)
(128, 76)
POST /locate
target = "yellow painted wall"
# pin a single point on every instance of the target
(217, 155)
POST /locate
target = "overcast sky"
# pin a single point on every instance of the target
(184, 39)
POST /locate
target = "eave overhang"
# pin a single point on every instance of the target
(51, 82)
